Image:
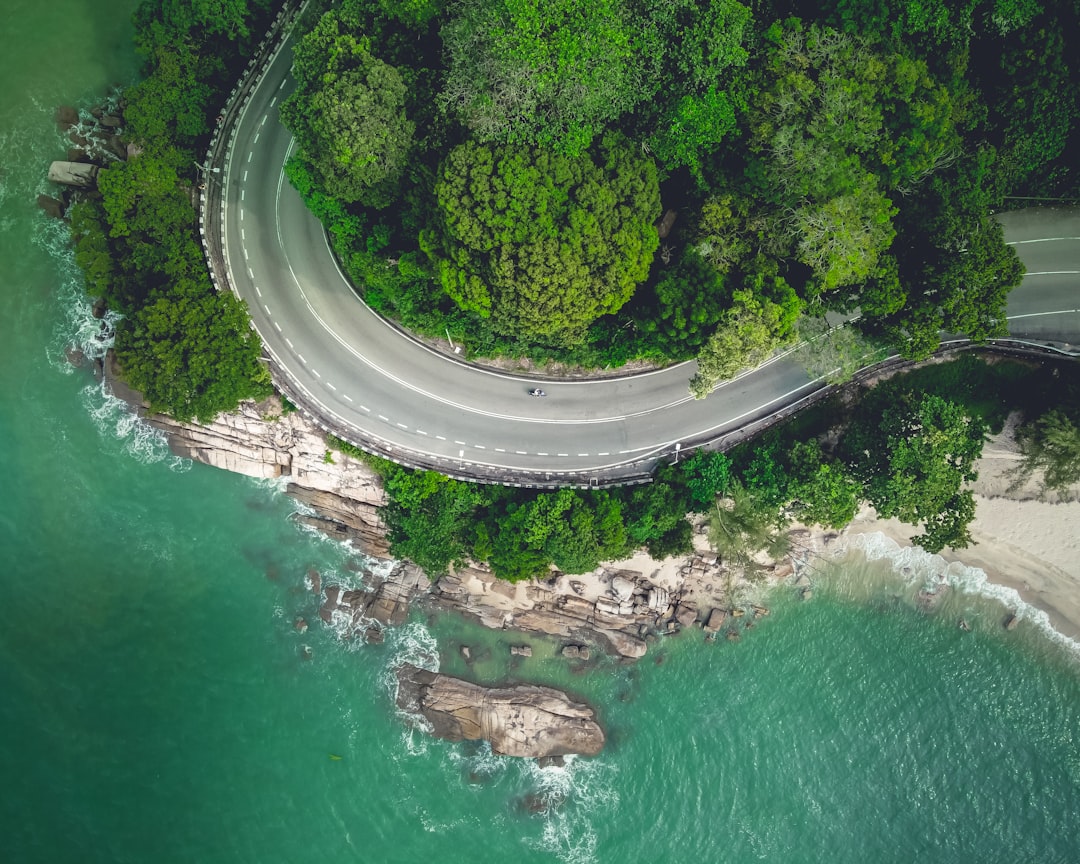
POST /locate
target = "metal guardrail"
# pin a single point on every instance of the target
(211, 231)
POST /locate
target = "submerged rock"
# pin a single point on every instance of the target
(524, 720)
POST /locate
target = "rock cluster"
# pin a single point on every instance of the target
(385, 604)
(524, 720)
(95, 142)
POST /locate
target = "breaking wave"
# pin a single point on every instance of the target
(919, 567)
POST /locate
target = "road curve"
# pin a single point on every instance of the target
(362, 376)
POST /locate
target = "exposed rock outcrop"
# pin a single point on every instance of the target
(74, 174)
(525, 720)
(387, 602)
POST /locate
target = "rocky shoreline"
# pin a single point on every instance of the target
(616, 611)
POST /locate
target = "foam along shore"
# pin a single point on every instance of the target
(1024, 539)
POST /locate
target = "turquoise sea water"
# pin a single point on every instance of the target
(156, 704)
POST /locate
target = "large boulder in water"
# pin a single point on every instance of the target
(524, 720)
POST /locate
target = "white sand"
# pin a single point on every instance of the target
(1024, 539)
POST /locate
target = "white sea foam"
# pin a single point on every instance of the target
(416, 645)
(921, 567)
(572, 794)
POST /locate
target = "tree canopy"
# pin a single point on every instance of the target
(541, 242)
(912, 455)
(348, 114)
(551, 73)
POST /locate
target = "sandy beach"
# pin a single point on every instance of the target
(1024, 538)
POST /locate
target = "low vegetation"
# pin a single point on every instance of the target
(901, 447)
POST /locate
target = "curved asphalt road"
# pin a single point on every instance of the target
(365, 375)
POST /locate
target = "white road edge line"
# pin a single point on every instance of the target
(1040, 240)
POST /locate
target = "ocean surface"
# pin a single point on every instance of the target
(157, 704)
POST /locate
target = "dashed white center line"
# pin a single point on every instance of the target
(315, 373)
(302, 360)
(281, 85)
(582, 454)
(245, 253)
(441, 437)
(462, 443)
(402, 426)
(331, 386)
(263, 120)
(243, 236)
(256, 139)
(499, 450)
(387, 419)
(245, 175)
(257, 291)
(365, 408)
(273, 102)
(621, 452)
(241, 214)
(289, 343)
(250, 155)
(421, 432)
(562, 454)
(603, 454)
(242, 191)
(267, 308)
(479, 446)
(278, 326)
(347, 396)
(538, 453)
(521, 453)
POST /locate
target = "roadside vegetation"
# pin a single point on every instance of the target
(498, 169)
(187, 348)
(603, 181)
(907, 446)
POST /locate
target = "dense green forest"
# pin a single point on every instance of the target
(187, 348)
(499, 168)
(505, 169)
(907, 446)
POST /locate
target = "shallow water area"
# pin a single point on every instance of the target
(161, 704)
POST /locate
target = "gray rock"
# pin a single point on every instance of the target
(53, 207)
(525, 720)
(1010, 622)
(66, 117)
(622, 588)
(521, 650)
(73, 174)
(116, 146)
(716, 620)
(686, 614)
